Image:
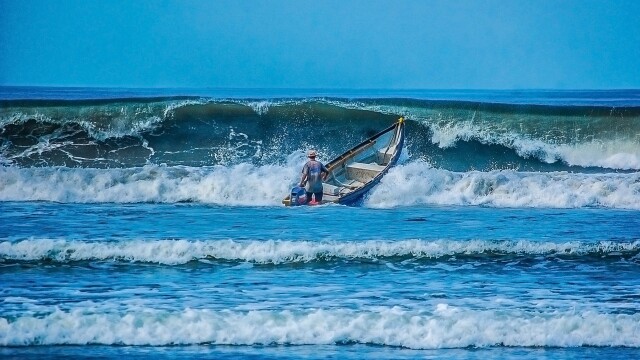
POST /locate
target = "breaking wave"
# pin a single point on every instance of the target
(417, 183)
(196, 131)
(174, 252)
(410, 184)
(206, 150)
(442, 326)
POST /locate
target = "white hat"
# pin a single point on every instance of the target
(311, 153)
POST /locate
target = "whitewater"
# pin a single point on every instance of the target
(148, 222)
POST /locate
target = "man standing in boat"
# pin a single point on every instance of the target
(313, 173)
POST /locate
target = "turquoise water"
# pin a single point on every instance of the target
(154, 228)
(320, 281)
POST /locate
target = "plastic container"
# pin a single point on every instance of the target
(298, 196)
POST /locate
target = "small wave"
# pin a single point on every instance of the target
(417, 183)
(174, 252)
(440, 327)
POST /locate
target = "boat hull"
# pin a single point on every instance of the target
(359, 169)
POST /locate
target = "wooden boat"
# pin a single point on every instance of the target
(356, 171)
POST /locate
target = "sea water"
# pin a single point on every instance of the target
(138, 223)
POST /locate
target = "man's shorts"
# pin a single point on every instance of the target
(317, 195)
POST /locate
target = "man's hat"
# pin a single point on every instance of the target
(311, 154)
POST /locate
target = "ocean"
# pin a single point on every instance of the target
(148, 222)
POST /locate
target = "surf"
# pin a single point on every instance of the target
(287, 252)
(413, 183)
(439, 326)
(200, 131)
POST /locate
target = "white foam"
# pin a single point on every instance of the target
(413, 183)
(443, 326)
(170, 109)
(280, 251)
(417, 183)
(612, 154)
(260, 107)
(242, 184)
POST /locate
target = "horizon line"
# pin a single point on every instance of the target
(310, 88)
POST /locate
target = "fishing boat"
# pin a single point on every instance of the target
(359, 169)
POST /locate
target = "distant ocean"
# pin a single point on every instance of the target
(147, 222)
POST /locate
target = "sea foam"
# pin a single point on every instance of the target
(414, 183)
(610, 154)
(443, 326)
(417, 183)
(172, 252)
(242, 184)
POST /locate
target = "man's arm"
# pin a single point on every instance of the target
(305, 171)
(324, 172)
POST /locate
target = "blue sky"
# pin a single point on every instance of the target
(479, 44)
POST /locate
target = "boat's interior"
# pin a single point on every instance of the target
(360, 166)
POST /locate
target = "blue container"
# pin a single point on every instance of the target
(298, 196)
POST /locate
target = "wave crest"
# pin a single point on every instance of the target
(154, 184)
(575, 136)
(441, 327)
(410, 184)
(609, 154)
(173, 252)
(417, 183)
